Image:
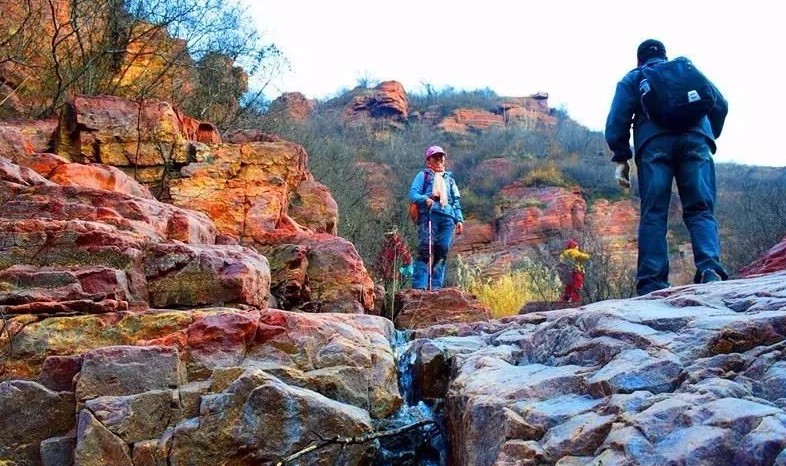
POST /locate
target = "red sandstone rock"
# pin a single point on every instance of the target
(199, 131)
(416, 309)
(773, 260)
(43, 163)
(387, 100)
(529, 214)
(12, 175)
(291, 106)
(98, 176)
(465, 120)
(120, 132)
(13, 143)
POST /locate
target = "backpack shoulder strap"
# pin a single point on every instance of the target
(425, 181)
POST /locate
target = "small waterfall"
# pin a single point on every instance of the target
(425, 445)
(404, 364)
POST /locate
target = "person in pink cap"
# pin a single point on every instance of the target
(435, 193)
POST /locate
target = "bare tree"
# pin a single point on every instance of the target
(138, 49)
(607, 275)
(751, 214)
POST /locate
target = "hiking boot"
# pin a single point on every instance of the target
(710, 276)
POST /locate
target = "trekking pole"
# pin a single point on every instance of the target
(430, 251)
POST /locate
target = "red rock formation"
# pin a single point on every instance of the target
(199, 131)
(291, 106)
(466, 120)
(97, 176)
(246, 188)
(312, 205)
(533, 222)
(773, 260)
(38, 134)
(70, 238)
(418, 308)
(531, 112)
(258, 193)
(119, 132)
(530, 214)
(13, 143)
(387, 100)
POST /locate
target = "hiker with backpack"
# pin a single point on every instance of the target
(572, 260)
(676, 114)
(436, 201)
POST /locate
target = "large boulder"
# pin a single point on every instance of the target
(115, 131)
(416, 309)
(180, 386)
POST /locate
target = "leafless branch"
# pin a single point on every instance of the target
(339, 440)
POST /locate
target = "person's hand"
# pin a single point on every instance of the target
(622, 174)
(429, 202)
(459, 228)
(406, 271)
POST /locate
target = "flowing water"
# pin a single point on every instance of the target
(424, 445)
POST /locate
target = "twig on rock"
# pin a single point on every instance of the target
(339, 440)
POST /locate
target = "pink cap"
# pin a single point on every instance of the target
(434, 150)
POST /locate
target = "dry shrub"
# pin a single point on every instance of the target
(506, 294)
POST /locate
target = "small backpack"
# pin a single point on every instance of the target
(675, 94)
(414, 209)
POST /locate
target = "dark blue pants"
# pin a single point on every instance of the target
(442, 228)
(687, 159)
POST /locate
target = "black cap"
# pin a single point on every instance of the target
(650, 48)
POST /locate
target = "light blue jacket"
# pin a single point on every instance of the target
(421, 189)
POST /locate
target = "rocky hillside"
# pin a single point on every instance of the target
(530, 205)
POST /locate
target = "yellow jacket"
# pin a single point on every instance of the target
(574, 257)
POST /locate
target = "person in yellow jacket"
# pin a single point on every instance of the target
(573, 259)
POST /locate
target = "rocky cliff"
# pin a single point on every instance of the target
(226, 199)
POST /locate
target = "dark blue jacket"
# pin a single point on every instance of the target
(626, 111)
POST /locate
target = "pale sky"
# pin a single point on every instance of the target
(576, 51)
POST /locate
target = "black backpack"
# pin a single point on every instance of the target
(675, 94)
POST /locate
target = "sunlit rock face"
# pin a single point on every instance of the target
(255, 190)
(388, 100)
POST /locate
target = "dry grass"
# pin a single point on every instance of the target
(507, 294)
